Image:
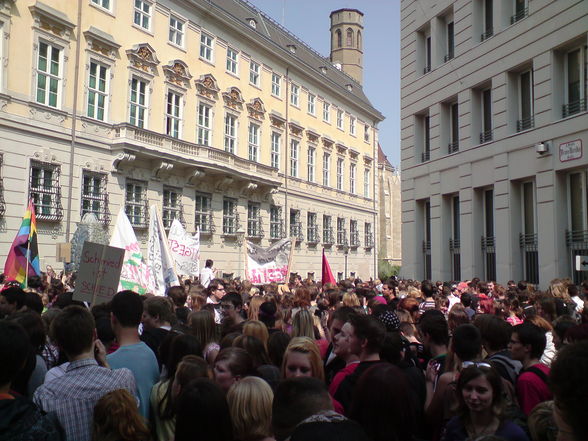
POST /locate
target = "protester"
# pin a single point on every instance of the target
(250, 404)
(230, 366)
(207, 273)
(302, 359)
(156, 319)
(116, 417)
(215, 292)
(203, 327)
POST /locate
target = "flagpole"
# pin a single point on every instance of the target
(26, 281)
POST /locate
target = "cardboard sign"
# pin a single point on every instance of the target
(99, 273)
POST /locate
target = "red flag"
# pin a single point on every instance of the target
(327, 276)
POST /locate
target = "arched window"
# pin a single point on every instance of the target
(349, 41)
(359, 40)
(339, 37)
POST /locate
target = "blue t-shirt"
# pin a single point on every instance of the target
(141, 361)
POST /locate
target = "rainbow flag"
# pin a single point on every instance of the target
(23, 257)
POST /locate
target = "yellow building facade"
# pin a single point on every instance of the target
(207, 109)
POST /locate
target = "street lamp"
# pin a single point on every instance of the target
(345, 253)
(240, 239)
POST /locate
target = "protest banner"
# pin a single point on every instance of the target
(99, 273)
(185, 249)
(135, 274)
(265, 265)
(159, 258)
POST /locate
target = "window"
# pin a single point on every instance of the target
(142, 14)
(230, 133)
(311, 103)
(368, 236)
(254, 70)
(339, 173)
(353, 233)
(97, 91)
(276, 84)
(45, 191)
(95, 196)
(176, 31)
(525, 87)
(521, 10)
(486, 134)
(427, 67)
(232, 61)
(311, 163)
(136, 203)
(352, 170)
(172, 114)
(487, 19)
(450, 42)
(453, 128)
(276, 224)
(253, 142)
(203, 213)
(366, 183)
(349, 39)
(339, 119)
(326, 112)
(528, 238)
(427, 241)
(326, 168)
(312, 228)
(366, 133)
(49, 75)
(253, 220)
(294, 91)
(230, 219)
(204, 124)
(339, 38)
(172, 206)
(327, 230)
(352, 125)
(427, 138)
(206, 42)
(295, 225)
(575, 83)
(454, 242)
(102, 3)
(138, 105)
(294, 144)
(275, 153)
(341, 231)
(488, 240)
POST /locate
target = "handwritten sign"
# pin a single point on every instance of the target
(185, 249)
(265, 265)
(99, 273)
(569, 151)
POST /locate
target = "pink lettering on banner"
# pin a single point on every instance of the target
(265, 275)
(182, 249)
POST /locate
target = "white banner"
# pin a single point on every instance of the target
(159, 258)
(265, 265)
(185, 249)
(135, 274)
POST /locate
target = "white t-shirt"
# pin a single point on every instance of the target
(206, 275)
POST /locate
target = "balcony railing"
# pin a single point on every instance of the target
(354, 239)
(254, 228)
(574, 107)
(525, 123)
(453, 147)
(577, 243)
(486, 35)
(519, 15)
(204, 222)
(448, 56)
(427, 259)
(489, 251)
(342, 238)
(313, 236)
(426, 156)
(485, 136)
(328, 236)
(427, 69)
(231, 224)
(455, 251)
(296, 231)
(277, 229)
(369, 240)
(529, 248)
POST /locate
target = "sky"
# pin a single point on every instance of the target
(309, 21)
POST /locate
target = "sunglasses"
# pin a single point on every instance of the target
(481, 364)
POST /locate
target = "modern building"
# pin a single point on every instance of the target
(389, 212)
(206, 108)
(494, 126)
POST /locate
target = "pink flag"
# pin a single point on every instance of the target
(327, 276)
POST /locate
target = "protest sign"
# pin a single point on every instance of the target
(265, 265)
(159, 258)
(185, 249)
(99, 273)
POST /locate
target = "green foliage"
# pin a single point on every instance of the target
(387, 270)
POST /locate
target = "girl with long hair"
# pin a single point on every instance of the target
(117, 418)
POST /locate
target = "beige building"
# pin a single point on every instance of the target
(494, 127)
(207, 109)
(389, 213)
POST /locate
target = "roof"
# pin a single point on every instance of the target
(382, 158)
(281, 39)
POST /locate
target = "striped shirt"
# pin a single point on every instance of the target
(73, 396)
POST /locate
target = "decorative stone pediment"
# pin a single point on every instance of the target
(101, 42)
(233, 98)
(353, 154)
(327, 143)
(367, 160)
(312, 136)
(207, 86)
(224, 183)
(176, 72)
(120, 159)
(256, 108)
(277, 121)
(248, 189)
(51, 20)
(341, 149)
(161, 167)
(142, 56)
(194, 176)
(295, 129)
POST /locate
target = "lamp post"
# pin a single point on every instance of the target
(345, 254)
(240, 240)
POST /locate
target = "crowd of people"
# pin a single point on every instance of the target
(223, 360)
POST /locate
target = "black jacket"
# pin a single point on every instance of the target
(22, 420)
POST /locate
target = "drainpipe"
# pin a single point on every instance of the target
(286, 150)
(74, 121)
(375, 226)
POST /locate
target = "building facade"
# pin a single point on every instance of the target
(494, 126)
(389, 212)
(207, 109)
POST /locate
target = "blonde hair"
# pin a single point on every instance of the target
(558, 288)
(305, 345)
(541, 424)
(350, 299)
(254, 304)
(116, 417)
(250, 404)
(257, 329)
(203, 327)
(302, 324)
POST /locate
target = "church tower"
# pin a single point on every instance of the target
(347, 41)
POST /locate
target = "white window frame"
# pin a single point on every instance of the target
(340, 119)
(230, 141)
(326, 112)
(137, 105)
(340, 163)
(232, 65)
(206, 51)
(276, 85)
(581, 67)
(294, 94)
(326, 168)
(136, 203)
(366, 133)
(254, 73)
(46, 194)
(173, 113)
(96, 92)
(352, 172)
(230, 216)
(352, 121)
(176, 31)
(366, 182)
(311, 104)
(254, 141)
(294, 148)
(276, 140)
(203, 212)
(311, 162)
(100, 4)
(93, 195)
(49, 76)
(204, 123)
(171, 209)
(142, 15)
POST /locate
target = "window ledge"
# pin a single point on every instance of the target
(172, 44)
(101, 9)
(142, 29)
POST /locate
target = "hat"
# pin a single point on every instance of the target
(390, 319)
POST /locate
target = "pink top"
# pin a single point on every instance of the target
(532, 390)
(340, 376)
(514, 320)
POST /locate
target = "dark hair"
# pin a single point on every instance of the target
(33, 325)
(178, 295)
(239, 361)
(384, 387)
(471, 373)
(33, 302)
(466, 299)
(14, 350)
(208, 263)
(530, 334)
(13, 295)
(235, 299)
(160, 307)
(427, 288)
(276, 346)
(467, 342)
(36, 283)
(368, 328)
(214, 283)
(343, 313)
(433, 323)
(569, 386)
(127, 307)
(267, 314)
(495, 331)
(202, 405)
(73, 330)
(254, 347)
(392, 347)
